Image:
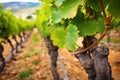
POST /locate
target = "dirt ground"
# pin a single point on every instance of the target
(41, 71)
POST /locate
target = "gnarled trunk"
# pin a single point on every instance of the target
(12, 48)
(17, 43)
(102, 66)
(87, 62)
(2, 64)
(95, 61)
(53, 52)
(21, 40)
(24, 35)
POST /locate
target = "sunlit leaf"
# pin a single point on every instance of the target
(43, 16)
(46, 1)
(59, 37)
(69, 8)
(56, 15)
(71, 37)
(59, 2)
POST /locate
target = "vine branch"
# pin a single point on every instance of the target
(107, 21)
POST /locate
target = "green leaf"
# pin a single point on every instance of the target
(78, 19)
(42, 21)
(56, 15)
(45, 12)
(69, 8)
(55, 27)
(114, 8)
(88, 28)
(94, 4)
(65, 37)
(46, 1)
(59, 37)
(59, 2)
(101, 25)
(45, 29)
(71, 37)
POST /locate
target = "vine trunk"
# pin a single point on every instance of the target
(95, 61)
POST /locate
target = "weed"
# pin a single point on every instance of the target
(24, 74)
(35, 62)
(31, 52)
(35, 38)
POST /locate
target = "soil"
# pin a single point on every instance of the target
(41, 71)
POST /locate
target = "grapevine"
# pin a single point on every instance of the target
(10, 27)
(64, 21)
(61, 23)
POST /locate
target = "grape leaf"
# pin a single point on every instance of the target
(59, 2)
(78, 19)
(71, 37)
(8, 24)
(65, 37)
(114, 8)
(88, 28)
(56, 15)
(45, 29)
(45, 12)
(69, 8)
(59, 37)
(101, 25)
(55, 27)
(43, 16)
(94, 4)
(47, 1)
(85, 27)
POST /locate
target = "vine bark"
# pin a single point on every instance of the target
(2, 59)
(95, 60)
(53, 53)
